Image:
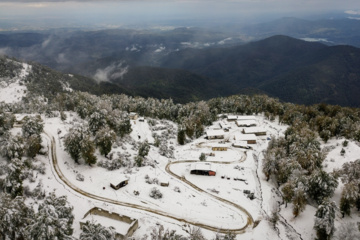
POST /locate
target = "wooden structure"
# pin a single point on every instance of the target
(206, 169)
(254, 130)
(232, 118)
(124, 226)
(242, 144)
(246, 123)
(121, 183)
(248, 138)
(133, 115)
(219, 147)
(215, 134)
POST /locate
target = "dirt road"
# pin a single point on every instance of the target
(239, 230)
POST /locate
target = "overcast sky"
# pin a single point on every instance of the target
(151, 10)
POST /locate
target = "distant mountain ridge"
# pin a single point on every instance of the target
(290, 69)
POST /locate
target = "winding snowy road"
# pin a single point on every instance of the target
(239, 230)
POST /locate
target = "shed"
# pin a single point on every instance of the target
(246, 118)
(215, 134)
(242, 144)
(254, 130)
(232, 118)
(133, 115)
(246, 123)
(219, 147)
(248, 138)
(119, 183)
(203, 169)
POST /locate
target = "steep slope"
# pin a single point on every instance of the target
(247, 65)
(180, 85)
(331, 75)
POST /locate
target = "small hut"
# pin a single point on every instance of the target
(122, 182)
(206, 169)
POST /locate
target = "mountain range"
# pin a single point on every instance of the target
(290, 69)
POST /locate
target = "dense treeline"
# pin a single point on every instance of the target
(294, 161)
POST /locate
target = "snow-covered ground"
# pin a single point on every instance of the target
(12, 90)
(180, 200)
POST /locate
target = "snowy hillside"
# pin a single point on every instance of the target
(13, 89)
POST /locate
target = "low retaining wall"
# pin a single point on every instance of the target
(115, 216)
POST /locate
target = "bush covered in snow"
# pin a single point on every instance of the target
(155, 193)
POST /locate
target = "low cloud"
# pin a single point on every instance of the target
(112, 72)
(46, 42)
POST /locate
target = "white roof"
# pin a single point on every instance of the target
(243, 118)
(118, 180)
(215, 132)
(224, 124)
(232, 117)
(245, 122)
(254, 130)
(245, 137)
(203, 166)
(240, 144)
(219, 145)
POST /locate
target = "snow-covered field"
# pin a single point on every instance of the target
(238, 170)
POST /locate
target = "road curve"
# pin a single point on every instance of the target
(58, 171)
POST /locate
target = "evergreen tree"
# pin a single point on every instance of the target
(32, 126)
(33, 145)
(105, 138)
(7, 121)
(97, 120)
(12, 146)
(181, 136)
(53, 220)
(14, 217)
(14, 179)
(144, 149)
(88, 150)
(349, 196)
(324, 220)
(202, 157)
(299, 201)
(95, 231)
(72, 141)
(321, 185)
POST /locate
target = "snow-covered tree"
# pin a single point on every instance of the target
(349, 195)
(14, 179)
(324, 220)
(104, 139)
(160, 233)
(196, 234)
(32, 145)
(53, 220)
(7, 121)
(144, 149)
(12, 146)
(88, 150)
(95, 231)
(78, 144)
(97, 120)
(14, 217)
(321, 185)
(72, 142)
(299, 200)
(32, 126)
